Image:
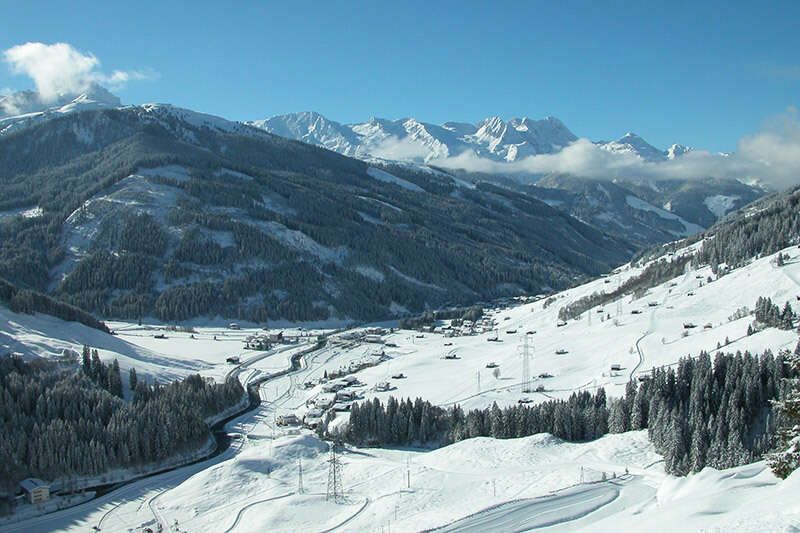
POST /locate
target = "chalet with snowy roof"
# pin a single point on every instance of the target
(36, 490)
(258, 342)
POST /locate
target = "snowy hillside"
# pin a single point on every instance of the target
(635, 333)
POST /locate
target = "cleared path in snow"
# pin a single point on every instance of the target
(524, 515)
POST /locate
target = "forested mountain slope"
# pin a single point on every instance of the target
(645, 212)
(156, 210)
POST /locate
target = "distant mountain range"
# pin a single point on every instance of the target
(412, 140)
(644, 211)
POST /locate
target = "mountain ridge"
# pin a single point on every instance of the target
(160, 211)
(492, 137)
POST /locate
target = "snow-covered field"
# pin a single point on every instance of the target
(636, 342)
(254, 486)
(204, 350)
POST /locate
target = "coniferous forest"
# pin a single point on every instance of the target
(704, 411)
(57, 422)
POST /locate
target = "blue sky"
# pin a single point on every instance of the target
(699, 73)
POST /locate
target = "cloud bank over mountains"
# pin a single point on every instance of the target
(771, 156)
(60, 69)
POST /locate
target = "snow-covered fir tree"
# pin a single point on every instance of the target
(787, 459)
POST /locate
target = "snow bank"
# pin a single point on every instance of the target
(382, 175)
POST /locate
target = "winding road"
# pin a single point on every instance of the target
(161, 482)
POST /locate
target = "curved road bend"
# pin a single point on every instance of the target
(523, 515)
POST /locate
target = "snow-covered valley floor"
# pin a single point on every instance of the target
(255, 484)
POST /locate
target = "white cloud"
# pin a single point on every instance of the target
(781, 72)
(393, 147)
(121, 77)
(59, 68)
(772, 156)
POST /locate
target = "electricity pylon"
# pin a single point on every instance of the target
(300, 489)
(527, 352)
(335, 491)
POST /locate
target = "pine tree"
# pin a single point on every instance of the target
(114, 379)
(86, 361)
(787, 459)
(617, 418)
(787, 317)
(132, 379)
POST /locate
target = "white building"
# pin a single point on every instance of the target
(258, 342)
(287, 420)
(36, 490)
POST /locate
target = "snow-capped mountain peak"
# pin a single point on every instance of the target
(27, 102)
(312, 128)
(409, 139)
(491, 137)
(632, 143)
(677, 150)
(24, 108)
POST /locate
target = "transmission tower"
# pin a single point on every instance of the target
(300, 489)
(526, 364)
(335, 491)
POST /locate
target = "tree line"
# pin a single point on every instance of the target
(28, 301)
(763, 229)
(429, 318)
(700, 412)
